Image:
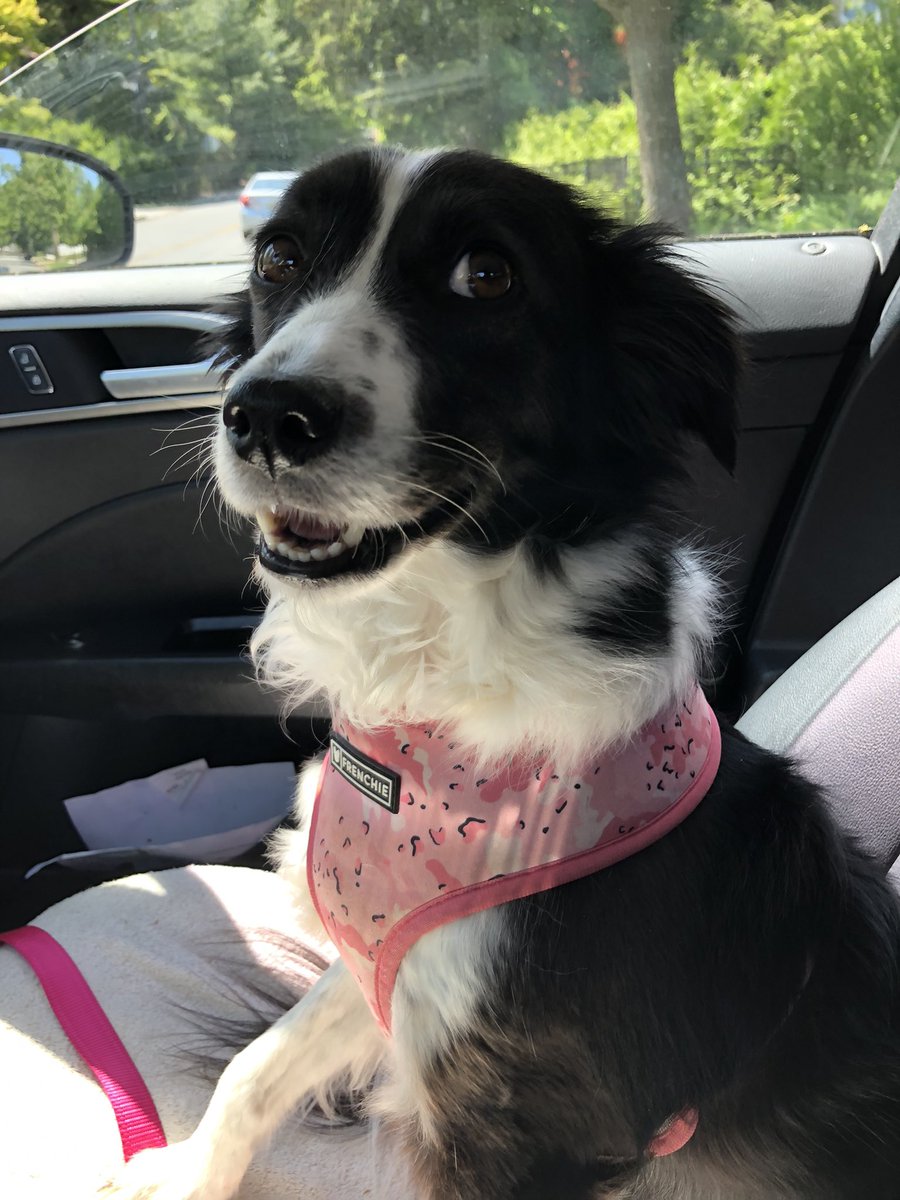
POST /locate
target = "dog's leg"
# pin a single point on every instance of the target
(329, 1036)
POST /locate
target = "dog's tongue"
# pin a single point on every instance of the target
(308, 528)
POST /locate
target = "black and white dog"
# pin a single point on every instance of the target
(458, 413)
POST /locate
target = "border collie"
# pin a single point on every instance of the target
(460, 408)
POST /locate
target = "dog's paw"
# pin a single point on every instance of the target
(172, 1173)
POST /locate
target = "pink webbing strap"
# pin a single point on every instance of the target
(90, 1032)
(675, 1133)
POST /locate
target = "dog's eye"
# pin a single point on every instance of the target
(279, 260)
(482, 275)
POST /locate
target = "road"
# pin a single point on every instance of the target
(190, 233)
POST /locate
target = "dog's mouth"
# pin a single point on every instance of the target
(296, 543)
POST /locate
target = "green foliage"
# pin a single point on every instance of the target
(52, 207)
(32, 119)
(452, 73)
(788, 121)
(740, 179)
(194, 111)
(591, 146)
(834, 103)
(856, 208)
(20, 32)
(732, 32)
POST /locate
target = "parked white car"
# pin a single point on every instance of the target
(259, 197)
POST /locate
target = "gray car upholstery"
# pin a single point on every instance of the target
(837, 713)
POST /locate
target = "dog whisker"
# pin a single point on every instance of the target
(206, 497)
(208, 418)
(438, 496)
(179, 463)
(190, 449)
(199, 425)
(478, 457)
(177, 446)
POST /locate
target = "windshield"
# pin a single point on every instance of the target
(718, 118)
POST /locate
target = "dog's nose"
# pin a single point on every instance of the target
(275, 417)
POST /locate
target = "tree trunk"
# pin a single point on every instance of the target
(650, 53)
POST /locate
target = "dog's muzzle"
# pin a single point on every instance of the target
(282, 428)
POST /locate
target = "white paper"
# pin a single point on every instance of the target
(217, 847)
(183, 804)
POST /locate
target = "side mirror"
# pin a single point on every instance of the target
(60, 209)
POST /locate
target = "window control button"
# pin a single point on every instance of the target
(31, 370)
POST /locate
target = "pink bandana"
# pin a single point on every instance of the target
(407, 834)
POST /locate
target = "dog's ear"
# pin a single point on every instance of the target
(231, 343)
(682, 356)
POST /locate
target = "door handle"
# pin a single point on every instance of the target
(182, 379)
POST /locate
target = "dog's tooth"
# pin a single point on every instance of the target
(284, 548)
(266, 521)
(353, 534)
(335, 549)
(295, 554)
(319, 553)
(269, 539)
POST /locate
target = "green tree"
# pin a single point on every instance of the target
(184, 111)
(591, 146)
(788, 121)
(34, 194)
(845, 80)
(31, 118)
(20, 32)
(192, 111)
(437, 73)
(649, 29)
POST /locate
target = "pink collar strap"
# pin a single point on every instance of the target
(409, 833)
(90, 1032)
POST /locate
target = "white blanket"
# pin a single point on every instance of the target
(155, 948)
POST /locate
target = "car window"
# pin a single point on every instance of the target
(719, 117)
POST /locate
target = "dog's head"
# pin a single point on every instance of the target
(446, 346)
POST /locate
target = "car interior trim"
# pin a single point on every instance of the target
(133, 389)
(199, 322)
(109, 408)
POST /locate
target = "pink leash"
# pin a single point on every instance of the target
(90, 1032)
